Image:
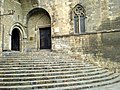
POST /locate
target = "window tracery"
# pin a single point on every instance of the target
(79, 19)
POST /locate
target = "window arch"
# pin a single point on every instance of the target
(79, 19)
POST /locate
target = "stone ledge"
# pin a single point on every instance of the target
(87, 33)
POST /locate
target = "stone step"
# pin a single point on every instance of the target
(59, 65)
(17, 56)
(88, 86)
(12, 69)
(42, 68)
(40, 58)
(53, 85)
(11, 82)
(40, 62)
(49, 71)
(40, 65)
(36, 57)
(44, 62)
(53, 74)
(51, 66)
(61, 78)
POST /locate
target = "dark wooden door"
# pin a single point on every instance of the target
(45, 38)
(15, 44)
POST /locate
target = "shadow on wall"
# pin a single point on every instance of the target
(110, 42)
(111, 46)
(107, 46)
(110, 24)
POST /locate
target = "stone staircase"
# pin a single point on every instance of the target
(53, 71)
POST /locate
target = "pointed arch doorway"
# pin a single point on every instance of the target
(41, 19)
(15, 40)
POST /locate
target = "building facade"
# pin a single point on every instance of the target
(86, 28)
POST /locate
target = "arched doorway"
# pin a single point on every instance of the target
(15, 40)
(39, 26)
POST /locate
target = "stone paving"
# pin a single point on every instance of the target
(53, 71)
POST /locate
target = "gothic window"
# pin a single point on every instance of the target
(79, 19)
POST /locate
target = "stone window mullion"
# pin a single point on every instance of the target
(79, 19)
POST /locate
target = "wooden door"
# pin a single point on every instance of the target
(45, 38)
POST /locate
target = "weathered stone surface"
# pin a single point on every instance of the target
(96, 44)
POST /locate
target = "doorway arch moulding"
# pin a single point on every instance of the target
(23, 34)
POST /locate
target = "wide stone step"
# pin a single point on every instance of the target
(49, 68)
(39, 69)
(45, 65)
(88, 86)
(35, 56)
(38, 55)
(41, 60)
(49, 71)
(52, 69)
(40, 65)
(58, 81)
(36, 63)
(82, 85)
(61, 78)
(15, 57)
(53, 74)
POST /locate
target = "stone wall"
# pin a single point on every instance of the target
(9, 20)
(59, 22)
(99, 48)
(101, 14)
